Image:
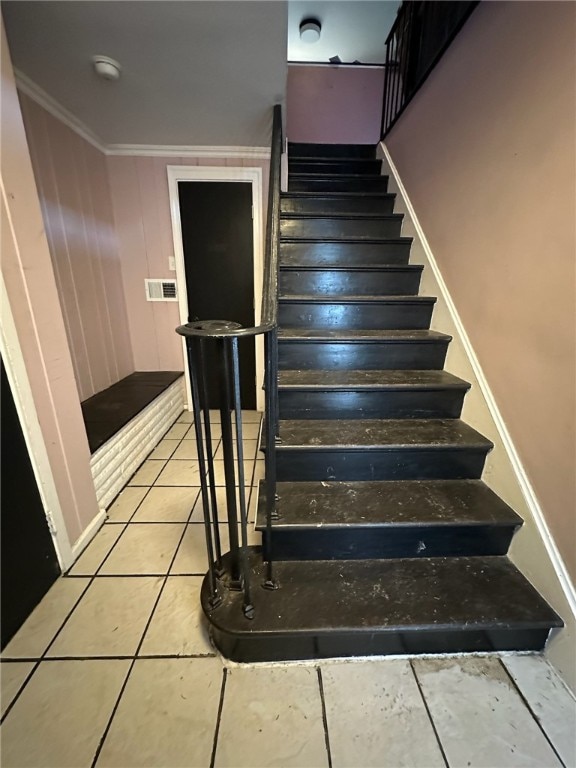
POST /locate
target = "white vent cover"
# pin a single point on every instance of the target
(161, 290)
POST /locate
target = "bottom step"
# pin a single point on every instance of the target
(328, 609)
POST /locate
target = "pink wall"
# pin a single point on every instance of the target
(334, 105)
(141, 206)
(486, 152)
(41, 337)
(71, 177)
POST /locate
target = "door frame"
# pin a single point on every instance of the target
(177, 173)
(17, 376)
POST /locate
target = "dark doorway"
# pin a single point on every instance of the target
(218, 250)
(29, 562)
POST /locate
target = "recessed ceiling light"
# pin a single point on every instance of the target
(106, 67)
(310, 29)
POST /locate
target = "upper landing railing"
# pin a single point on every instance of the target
(422, 32)
(224, 335)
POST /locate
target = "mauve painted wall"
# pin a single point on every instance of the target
(487, 154)
(334, 105)
(141, 204)
(29, 278)
(72, 181)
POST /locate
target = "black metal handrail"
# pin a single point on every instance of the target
(419, 37)
(234, 572)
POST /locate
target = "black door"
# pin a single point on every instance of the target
(218, 257)
(29, 563)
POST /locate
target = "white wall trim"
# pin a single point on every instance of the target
(114, 463)
(87, 535)
(26, 408)
(178, 173)
(169, 150)
(37, 94)
(521, 476)
(31, 89)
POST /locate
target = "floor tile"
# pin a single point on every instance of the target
(167, 715)
(12, 676)
(180, 473)
(144, 549)
(125, 505)
(254, 417)
(167, 505)
(250, 431)
(38, 630)
(221, 504)
(177, 432)
(220, 476)
(94, 554)
(250, 450)
(110, 619)
(186, 417)
(272, 716)
(549, 699)
(164, 449)
(479, 716)
(177, 626)
(147, 473)
(186, 450)
(61, 714)
(376, 716)
(191, 557)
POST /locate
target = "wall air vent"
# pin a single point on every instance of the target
(161, 290)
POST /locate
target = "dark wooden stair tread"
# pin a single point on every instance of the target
(356, 380)
(362, 434)
(328, 608)
(360, 334)
(338, 298)
(390, 503)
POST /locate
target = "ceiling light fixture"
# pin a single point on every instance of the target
(310, 29)
(106, 67)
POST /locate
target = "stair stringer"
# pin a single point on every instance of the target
(533, 549)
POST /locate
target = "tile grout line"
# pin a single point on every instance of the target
(324, 717)
(139, 646)
(432, 723)
(219, 717)
(529, 708)
(91, 578)
(40, 658)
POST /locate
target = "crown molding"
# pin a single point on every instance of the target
(174, 150)
(37, 94)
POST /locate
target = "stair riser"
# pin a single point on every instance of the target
(334, 356)
(396, 404)
(355, 316)
(392, 464)
(328, 151)
(327, 205)
(375, 543)
(353, 184)
(325, 167)
(384, 643)
(316, 254)
(341, 228)
(338, 283)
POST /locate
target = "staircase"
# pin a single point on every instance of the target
(387, 540)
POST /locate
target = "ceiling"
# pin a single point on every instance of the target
(355, 30)
(194, 72)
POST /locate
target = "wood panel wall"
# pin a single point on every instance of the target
(139, 186)
(72, 181)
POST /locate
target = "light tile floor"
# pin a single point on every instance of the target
(115, 668)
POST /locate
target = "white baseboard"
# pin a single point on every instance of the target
(87, 536)
(519, 471)
(116, 461)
